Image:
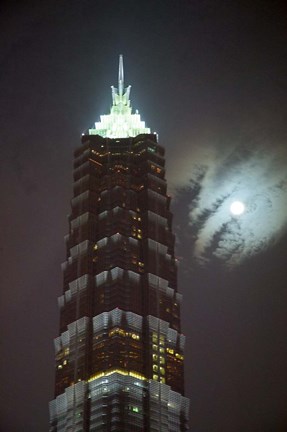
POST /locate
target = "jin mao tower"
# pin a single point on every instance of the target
(119, 353)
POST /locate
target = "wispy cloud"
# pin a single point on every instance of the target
(256, 175)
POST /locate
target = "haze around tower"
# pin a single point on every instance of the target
(210, 78)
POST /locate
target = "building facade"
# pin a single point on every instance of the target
(119, 354)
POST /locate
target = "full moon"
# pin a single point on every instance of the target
(237, 208)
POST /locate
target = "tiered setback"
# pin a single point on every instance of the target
(119, 356)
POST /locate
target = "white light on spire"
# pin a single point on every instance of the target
(120, 123)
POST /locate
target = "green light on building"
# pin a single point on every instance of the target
(121, 122)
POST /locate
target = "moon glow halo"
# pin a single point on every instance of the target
(237, 208)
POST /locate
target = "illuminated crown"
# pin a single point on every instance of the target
(120, 123)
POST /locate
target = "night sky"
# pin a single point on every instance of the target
(210, 78)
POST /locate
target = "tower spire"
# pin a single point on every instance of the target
(121, 75)
(121, 122)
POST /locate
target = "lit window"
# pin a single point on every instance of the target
(135, 336)
(135, 409)
(154, 338)
(155, 377)
(155, 368)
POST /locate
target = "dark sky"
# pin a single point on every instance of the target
(210, 78)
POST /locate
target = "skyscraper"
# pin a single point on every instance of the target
(119, 355)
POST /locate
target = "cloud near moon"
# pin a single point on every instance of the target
(256, 177)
